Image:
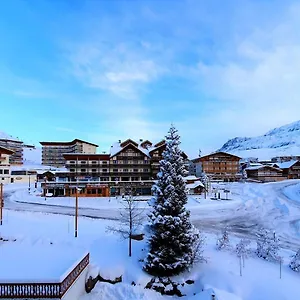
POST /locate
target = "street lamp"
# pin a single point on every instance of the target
(76, 212)
(29, 182)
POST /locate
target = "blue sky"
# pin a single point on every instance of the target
(109, 70)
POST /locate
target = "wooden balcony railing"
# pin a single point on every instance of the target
(42, 290)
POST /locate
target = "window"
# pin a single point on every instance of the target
(3, 178)
(83, 170)
(135, 170)
(72, 170)
(72, 162)
(6, 171)
(115, 161)
(104, 162)
(104, 170)
(115, 170)
(146, 170)
(94, 162)
(83, 162)
(1, 171)
(94, 170)
(125, 170)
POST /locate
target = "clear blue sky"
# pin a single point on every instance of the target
(109, 70)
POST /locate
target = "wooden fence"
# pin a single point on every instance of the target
(43, 290)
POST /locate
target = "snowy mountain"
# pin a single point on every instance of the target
(284, 140)
(5, 136)
(32, 156)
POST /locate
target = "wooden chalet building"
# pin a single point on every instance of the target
(264, 173)
(219, 166)
(290, 169)
(130, 166)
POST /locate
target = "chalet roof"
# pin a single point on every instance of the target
(194, 185)
(6, 137)
(66, 143)
(5, 151)
(253, 168)
(128, 141)
(216, 153)
(117, 148)
(190, 177)
(287, 164)
(145, 143)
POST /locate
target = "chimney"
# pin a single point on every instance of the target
(119, 141)
(103, 152)
(141, 140)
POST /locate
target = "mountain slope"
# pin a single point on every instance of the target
(284, 140)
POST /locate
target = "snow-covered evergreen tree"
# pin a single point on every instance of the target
(267, 245)
(295, 262)
(223, 242)
(172, 237)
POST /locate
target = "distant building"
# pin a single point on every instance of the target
(13, 144)
(290, 169)
(5, 165)
(219, 166)
(286, 158)
(52, 152)
(264, 173)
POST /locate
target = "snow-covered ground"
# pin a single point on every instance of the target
(274, 205)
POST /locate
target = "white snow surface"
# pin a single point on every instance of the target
(32, 156)
(275, 205)
(281, 141)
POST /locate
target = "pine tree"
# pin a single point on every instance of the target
(267, 245)
(295, 262)
(173, 238)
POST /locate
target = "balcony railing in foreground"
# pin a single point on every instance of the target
(43, 290)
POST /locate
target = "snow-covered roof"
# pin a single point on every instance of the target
(116, 148)
(194, 185)
(5, 136)
(23, 263)
(261, 167)
(287, 164)
(190, 177)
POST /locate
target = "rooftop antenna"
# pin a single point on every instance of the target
(199, 154)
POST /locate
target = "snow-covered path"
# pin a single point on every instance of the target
(252, 206)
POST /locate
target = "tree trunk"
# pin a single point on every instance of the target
(130, 245)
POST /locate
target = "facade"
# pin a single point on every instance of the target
(291, 169)
(5, 165)
(16, 158)
(130, 166)
(52, 152)
(219, 166)
(264, 173)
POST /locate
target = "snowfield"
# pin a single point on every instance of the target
(251, 206)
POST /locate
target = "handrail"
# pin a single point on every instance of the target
(43, 290)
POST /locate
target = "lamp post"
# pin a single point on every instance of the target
(29, 182)
(76, 213)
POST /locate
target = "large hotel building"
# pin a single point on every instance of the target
(53, 152)
(129, 165)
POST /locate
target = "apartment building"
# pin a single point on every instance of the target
(219, 166)
(13, 144)
(5, 165)
(52, 152)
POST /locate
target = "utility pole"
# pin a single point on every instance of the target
(1, 202)
(76, 213)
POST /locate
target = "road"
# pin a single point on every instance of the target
(243, 219)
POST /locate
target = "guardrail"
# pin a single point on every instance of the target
(43, 290)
